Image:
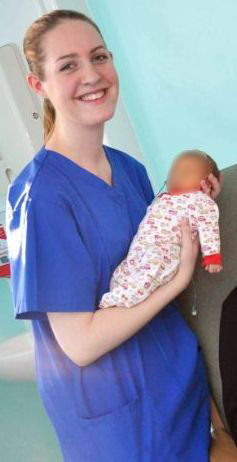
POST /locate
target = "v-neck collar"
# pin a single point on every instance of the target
(86, 174)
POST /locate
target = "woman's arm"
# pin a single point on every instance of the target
(215, 416)
(86, 336)
(223, 448)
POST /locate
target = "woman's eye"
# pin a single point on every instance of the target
(70, 66)
(67, 66)
(101, 58)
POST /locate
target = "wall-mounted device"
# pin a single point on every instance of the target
(21, 133)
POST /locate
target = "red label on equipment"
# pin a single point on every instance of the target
(4, 261)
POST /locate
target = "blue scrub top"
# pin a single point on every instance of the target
(146, 400)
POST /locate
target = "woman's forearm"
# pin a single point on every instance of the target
(85, 336)
(109, 327)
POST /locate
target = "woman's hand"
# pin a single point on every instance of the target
(189, 253)
(212, 187)
(222, 446)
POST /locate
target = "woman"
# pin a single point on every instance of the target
(118, 385)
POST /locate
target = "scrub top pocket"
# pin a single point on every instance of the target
(130, 433)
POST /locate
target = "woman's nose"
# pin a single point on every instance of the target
(89, 73)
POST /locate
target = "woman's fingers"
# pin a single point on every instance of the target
(189, 242)
(215, 185)
(196, 244)
(206, 187)
(195, 236)
(212, 187)
(189, 252)
(188, 237)
(185, 231)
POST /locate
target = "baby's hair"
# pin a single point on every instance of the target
(213, 167)
(210, 162)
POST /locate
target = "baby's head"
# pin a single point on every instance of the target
(189, 169)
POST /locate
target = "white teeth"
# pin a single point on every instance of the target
(93, 96)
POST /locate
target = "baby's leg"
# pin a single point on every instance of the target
(123, 287)
(132, 284)
(170, 259)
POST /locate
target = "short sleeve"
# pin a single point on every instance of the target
(51, 268)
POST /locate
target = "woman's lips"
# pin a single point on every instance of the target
(94, 98)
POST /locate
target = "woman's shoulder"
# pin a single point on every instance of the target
(33, 180)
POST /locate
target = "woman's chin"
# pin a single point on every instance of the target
(99, 118)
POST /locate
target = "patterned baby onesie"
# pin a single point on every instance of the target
(154, 253)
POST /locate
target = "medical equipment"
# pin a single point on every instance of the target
(4, 261)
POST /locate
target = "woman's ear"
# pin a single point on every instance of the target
(36, 84)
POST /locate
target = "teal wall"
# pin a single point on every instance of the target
(177, 65)
(9, 326)
(25, 432)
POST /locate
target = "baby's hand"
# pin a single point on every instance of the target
(214, 268)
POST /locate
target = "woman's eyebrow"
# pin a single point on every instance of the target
(76, 55)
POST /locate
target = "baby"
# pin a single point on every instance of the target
(154, 253)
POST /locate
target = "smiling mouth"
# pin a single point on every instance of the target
(93, 96)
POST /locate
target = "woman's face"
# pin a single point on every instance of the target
(80, 78)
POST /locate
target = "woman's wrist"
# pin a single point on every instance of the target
(183, 278)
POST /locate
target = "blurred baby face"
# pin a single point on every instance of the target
(186, 173)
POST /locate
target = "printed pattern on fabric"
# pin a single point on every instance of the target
(154, 253)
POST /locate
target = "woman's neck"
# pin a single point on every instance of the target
(83, 145)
